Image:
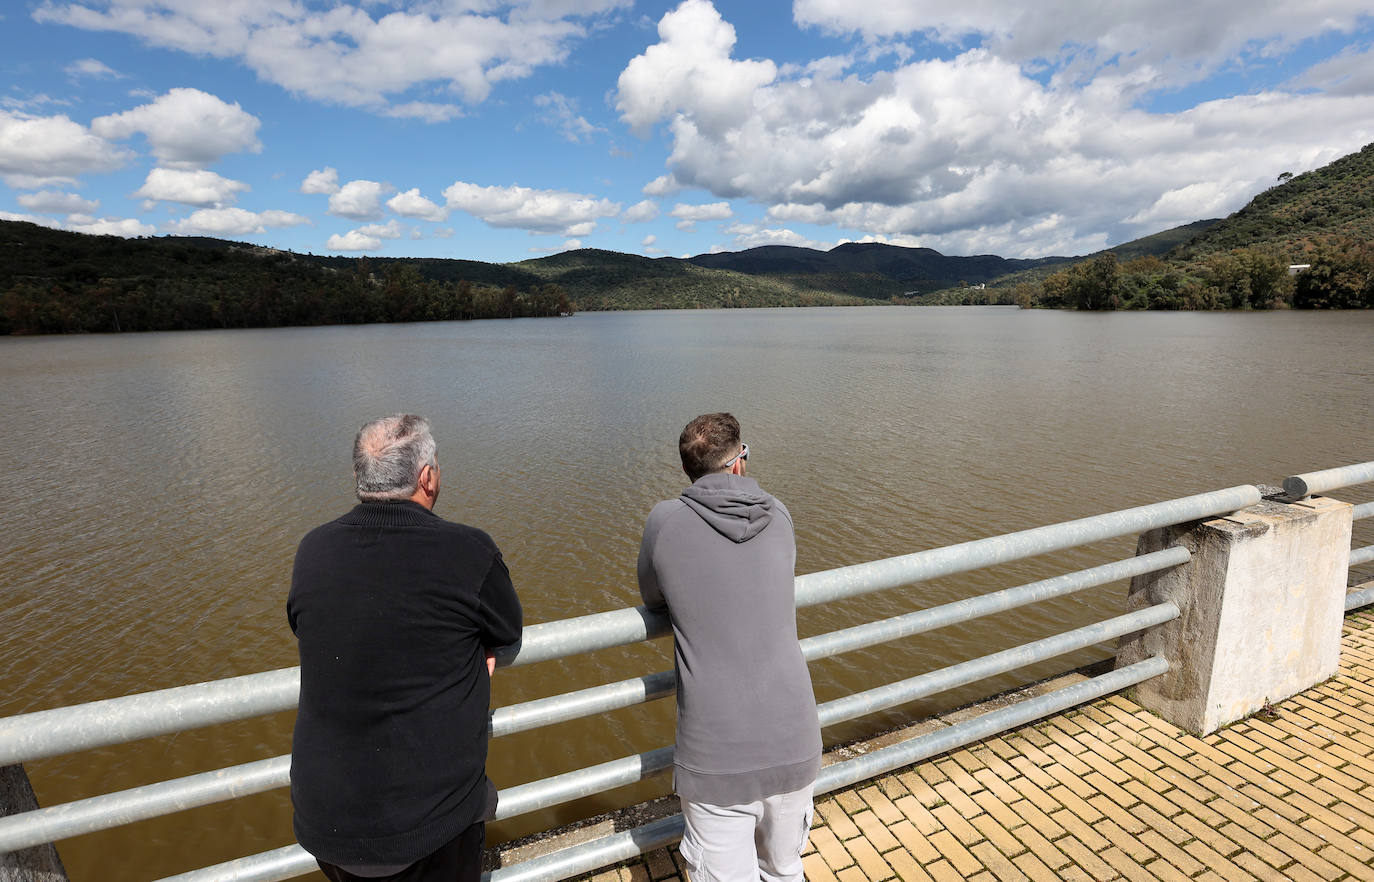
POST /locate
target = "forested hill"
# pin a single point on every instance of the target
(917, 269)
(1299, 212)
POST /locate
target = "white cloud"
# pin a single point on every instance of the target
(539, 211)
(691, 64)
(325, 180)
(52, 202)
(663, 185)
(392, 229)
(1180, 40)
(689, 214)
(128, 228)
(412, 204)
(753, 236)
(186, 128)
(425, 111)
(91, 67)
(560, 112)
(233, 222)
(342, 54)
(29, 218)
(189, 187)
(969, 152)
(1349, 73)
(358, 200)
(640, 212)
(711, 211)
(37, 151)
(353, 240)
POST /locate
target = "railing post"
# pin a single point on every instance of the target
(39, 863)
(1261, 606)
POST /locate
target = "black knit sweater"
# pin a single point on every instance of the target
(392, 607)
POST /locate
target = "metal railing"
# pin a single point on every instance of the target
(1300, 486)
(48, 733)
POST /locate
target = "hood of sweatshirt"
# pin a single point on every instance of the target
(733, 505)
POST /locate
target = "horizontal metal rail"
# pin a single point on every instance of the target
(62, 730)
(139, 803)
(292, 861)
(123, 807)
(960, 611)
(1360, 556)
(65, 730)
(1363, 510)
(1360, 595)
(864, 578)
(1298, 486)
(593, 855)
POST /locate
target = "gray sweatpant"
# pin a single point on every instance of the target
(759, 841)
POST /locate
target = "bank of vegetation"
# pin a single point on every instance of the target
(60, 282)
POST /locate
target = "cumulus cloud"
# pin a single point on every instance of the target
(560, 112)
(1349, 73)
(641, 212)
(91, 67)
(128, 228)
(539, 211)
(189, 187)
(971, 152)
(37, 151)
(186, 128)
(325, 180)
(1178, 40)
(54, 202)
(691, 64)
(754, 236)
(342, 54)
(688, 215)
(392, 229)
(29, 218)
(233, 222)
(358, 200)
(663, 185)
(353, 240)
(412, 204)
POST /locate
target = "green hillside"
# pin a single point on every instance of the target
(1334, 201)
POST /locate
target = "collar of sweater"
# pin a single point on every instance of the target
(389, 514)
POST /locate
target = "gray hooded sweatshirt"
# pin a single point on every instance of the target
(721, 558)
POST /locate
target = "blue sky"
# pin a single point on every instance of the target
(501, 131)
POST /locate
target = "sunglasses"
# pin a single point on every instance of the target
(743, 454)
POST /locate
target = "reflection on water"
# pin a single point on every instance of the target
(166, 479)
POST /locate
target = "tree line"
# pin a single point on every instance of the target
(262, 292)
(1340, 275)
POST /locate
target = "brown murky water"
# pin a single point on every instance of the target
(160, 482)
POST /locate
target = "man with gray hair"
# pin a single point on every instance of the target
(720, 559)
(397, 613)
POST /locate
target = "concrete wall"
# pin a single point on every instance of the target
(1260, 605)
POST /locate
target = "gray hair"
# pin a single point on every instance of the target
(388, 455)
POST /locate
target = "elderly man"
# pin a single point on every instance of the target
(396, 612)
(721, 559)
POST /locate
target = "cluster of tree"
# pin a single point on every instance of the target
(1340, 276)
(270, 291)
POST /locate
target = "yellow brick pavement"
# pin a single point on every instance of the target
(1108, 791)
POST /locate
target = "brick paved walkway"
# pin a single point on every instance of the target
(1109, 791)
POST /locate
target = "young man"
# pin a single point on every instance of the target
(397, 612)
(721, 559)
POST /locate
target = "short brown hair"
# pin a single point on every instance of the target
(707, 442)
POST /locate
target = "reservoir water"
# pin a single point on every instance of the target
(159, 484)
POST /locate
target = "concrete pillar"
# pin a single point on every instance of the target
(1261, 606)
(37, 864)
